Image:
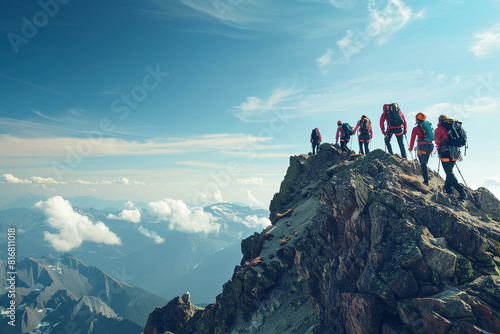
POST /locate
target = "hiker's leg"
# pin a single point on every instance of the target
(367, 148)
(448, 169)
(424, 158)
(361, 147)
(342, 145)
(388, 142)
(401, 144)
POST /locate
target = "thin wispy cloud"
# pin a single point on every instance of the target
(257, 181)
(26, 83)
(256, 109)
(73, 227)
(257, 155)
(11, 146)
(242, 15)
(248, 18)
(487, 42)
(341, 3)
(151, 234)
(383, 23)
(324, 61)
(343, 96)
(39, 113)
(201, 164)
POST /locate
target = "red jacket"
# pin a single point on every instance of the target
(385, 118)
(340, 133)
(440, 135)
(417, 133)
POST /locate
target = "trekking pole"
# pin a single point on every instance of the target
(411, 154)
(437, 179)
(462, 177)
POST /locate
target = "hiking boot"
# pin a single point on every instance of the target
(447, 190)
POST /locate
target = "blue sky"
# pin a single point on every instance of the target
(204, 101)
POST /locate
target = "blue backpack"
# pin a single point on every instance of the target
(427, 131)
(347, 128)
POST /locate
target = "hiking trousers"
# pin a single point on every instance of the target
(423, 158)
(399, 135)
(448, 156)
(364, 141)
(343, 143)
(315, 147)
(451, 180)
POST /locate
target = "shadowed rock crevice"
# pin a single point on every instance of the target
(367, 248)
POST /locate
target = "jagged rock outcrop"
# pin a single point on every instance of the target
(367, 248)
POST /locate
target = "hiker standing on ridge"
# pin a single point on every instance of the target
(424, 133)
(448, 154)
(315, 140)
(396, 124)
(344, 131)
(364, 126)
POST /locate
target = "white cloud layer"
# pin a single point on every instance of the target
(487, 42)
(257, 181)
(39, 180)
(152, 235)
(252, 200)
(11, 146)
(73, 227)
(130, 205)
(253, 221)
(182, 218)
(129, 215)
(471, 107)
(492, 181)
(9, 178)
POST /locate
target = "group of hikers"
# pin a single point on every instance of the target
(449, 137)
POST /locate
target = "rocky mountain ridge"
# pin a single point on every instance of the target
(358, 245)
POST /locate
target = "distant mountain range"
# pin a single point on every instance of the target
(56, 294)
(203, 260)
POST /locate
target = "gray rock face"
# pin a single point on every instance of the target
(367, 248)
(488, 202)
